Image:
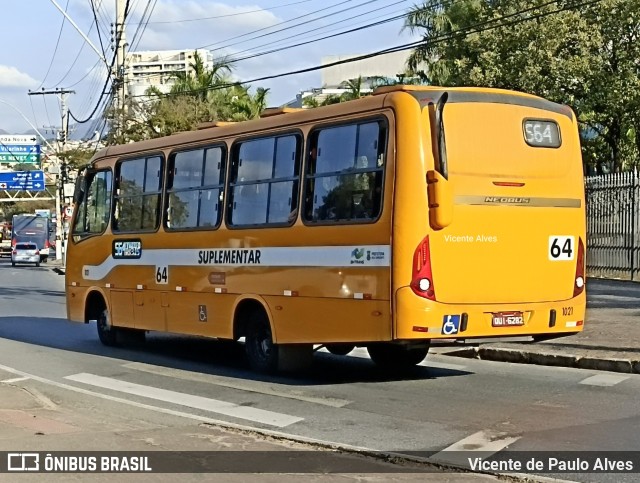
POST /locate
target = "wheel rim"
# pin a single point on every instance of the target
(102, 322)
(264, 345)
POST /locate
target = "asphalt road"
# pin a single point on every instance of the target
(446, 404)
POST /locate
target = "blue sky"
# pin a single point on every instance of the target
(40, 52)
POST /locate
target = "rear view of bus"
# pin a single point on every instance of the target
(489, 232)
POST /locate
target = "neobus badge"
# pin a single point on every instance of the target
(507, 199)
(127, 249)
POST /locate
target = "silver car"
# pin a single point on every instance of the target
(25, 253)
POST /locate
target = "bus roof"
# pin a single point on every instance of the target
(273, 118)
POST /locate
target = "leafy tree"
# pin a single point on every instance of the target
(199, 96)
(586, 57)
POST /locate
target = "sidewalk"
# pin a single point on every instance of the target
(610, 340)
(55, 264)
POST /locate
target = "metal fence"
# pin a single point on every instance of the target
(613, 225)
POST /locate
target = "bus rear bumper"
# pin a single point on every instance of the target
(420, 318)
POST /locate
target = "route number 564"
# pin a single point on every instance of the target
(561, 248)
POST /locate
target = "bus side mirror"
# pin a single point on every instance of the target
(78, 191)
(440, 200)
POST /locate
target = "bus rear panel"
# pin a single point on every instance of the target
(511, 261)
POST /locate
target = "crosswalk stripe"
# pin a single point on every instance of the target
(254, 386)
(197, 402)
(604, 380)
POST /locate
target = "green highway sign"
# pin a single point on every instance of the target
(19, 158)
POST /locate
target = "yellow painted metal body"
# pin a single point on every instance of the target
(490, 257)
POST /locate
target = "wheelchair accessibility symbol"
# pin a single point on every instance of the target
(450, 324)
(202, 313)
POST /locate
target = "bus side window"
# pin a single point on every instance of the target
(337, 190)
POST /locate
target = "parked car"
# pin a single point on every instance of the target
(25, 252)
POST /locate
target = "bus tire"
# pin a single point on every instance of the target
(397, 356)
(340, 349)
(107, 334)
(261, 351)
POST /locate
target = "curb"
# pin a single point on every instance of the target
(627, 366)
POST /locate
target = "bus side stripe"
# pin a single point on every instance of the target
(321, 256)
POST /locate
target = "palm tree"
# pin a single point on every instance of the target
(199, 83)
(432, 22)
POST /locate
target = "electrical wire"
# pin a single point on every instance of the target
(476, 28)
(275, 25)
(143, 25)
(55, 50)
(227, 15)
(110, 71)
(328, 28)
(291, 46)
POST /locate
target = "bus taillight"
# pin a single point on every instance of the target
(422, 279)
(579, 281)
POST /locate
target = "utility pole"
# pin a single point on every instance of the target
(63, 135)
(119, 84)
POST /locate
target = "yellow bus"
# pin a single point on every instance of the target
(414, 214)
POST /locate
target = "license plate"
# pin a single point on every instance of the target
(507, 319)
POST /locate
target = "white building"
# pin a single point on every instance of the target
(157, 68)
(334, 77)
(389, 65)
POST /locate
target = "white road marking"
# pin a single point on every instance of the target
(257, 387)
(195, 417)
(362, 353)
(604, 380)
(482, 443)
(198, 402)
(15, 379)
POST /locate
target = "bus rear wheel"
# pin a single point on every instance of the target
(106, 332)
(397, 356)
(267, 357)
(261, 351)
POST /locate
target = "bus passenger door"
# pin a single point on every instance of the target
(150, 310)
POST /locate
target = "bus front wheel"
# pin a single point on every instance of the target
(106, 332)
(397, 356)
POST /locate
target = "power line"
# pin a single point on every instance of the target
(356, 29)
(226, 15)
(103, 93)
(476, 28)
(55, 50)
(275, 25)
(325, 27)
(142, 27)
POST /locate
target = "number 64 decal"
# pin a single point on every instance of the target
(162, 274)
(561, 247)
